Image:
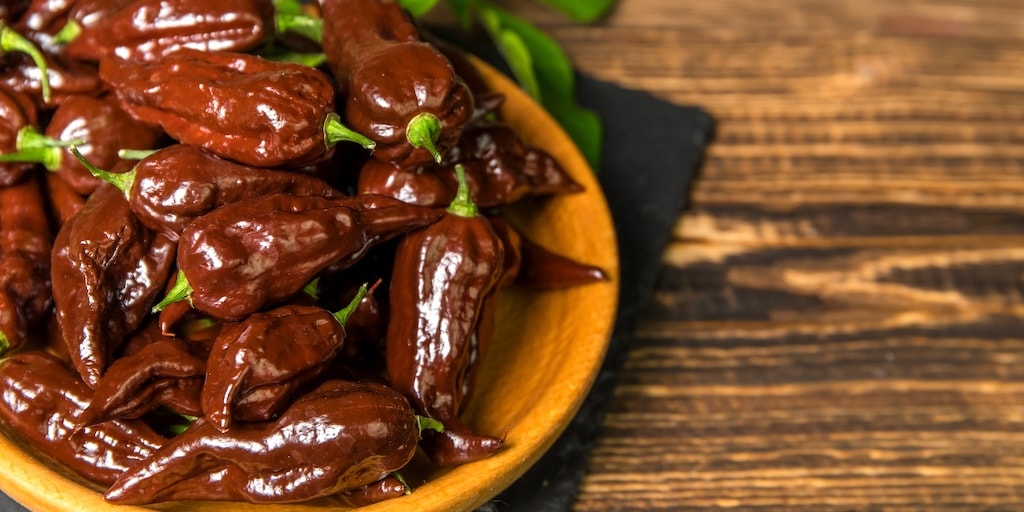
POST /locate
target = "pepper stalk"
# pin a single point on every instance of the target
(423, 131)
(12, 41)
(343, 315)
(37, 148)
(123, 181)
(463, 204)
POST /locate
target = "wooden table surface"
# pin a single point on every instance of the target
(837, 323)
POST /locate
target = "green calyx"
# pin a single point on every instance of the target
(12, 41)
(423, 132)
(181, 290)
(5, 344)
(312, 288)
(123, 181)
(425, 423)
(69, 32)
(37, 148)
(343, 315)
(335, 131)
(463, 204)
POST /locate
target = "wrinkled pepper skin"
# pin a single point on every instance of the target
(443, 274)
(149, 30)
(105, 128)
(180, 183)
(238, 106)
(41, 401)
(500, 167)
(257, 364)
(67, 78)
(389, 77)
(25, 292)
(108, 270)
(340, 436)
(245, 255)
(162, 373)
(16, 111)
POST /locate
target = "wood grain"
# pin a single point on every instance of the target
(839, 318)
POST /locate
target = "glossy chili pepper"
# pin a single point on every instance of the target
(442, 276)
(170, 188)
(238, 106)
(148, 30)
(62, 79)
(63, 200)
(163, 372)
(44, 15)
(25, 295)
(340, 436)
(41, 400)
(13, 41)
(401, 92)
(256, 365)
(242, 256)
(499, 166)
(108, 271)
(16, 112)
(97, 126)
(539, 267)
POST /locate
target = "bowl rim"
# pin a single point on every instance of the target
(38, 486)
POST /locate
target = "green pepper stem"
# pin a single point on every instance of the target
(48, 157)
(30, 138)
(71, 30)
(425, 423)
(335, 131)
(312, 288)
(343, 315)
(462, 205)
(5, 344)
(135, 154)
(123, 181)
(180, 291)
(423, 131)
(10, 41)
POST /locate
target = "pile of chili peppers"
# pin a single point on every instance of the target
(227, 277)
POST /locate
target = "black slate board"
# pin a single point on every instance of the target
(651, 154)
(652, 151)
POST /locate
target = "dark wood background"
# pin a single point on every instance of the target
(837, 323)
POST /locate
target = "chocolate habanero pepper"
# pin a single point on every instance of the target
(340, 436)
(238, 106)
(108, 270)
(149, 30)
(400, 91)
(443, 274)
(162, 372)
(16, 112)
(170, 188)
(242, 256)
(64, 202)
(97, 126)
(25, 295)
(41, 400)
(500, 168)
(257, 365)
(536, 266)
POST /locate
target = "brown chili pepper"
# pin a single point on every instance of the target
(25, 293)
(161, 373)
(401, 92)
(63, 200)
(242, 256)
(44, 15)
(500, 167)
(539, 267)
(13, 41)
(340, 436)
(97, 126)
(386, 488)
(108, 270)
(171, 187)
(149, 30)
(257, 364)
(442, 276)
(16, 112)
(41, 400)
(238, 106)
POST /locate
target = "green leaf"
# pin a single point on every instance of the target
(288, 6)
(544, 71)
(463, 11)
(417, 7)
(584, 11)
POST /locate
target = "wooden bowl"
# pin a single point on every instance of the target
(546, 353)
